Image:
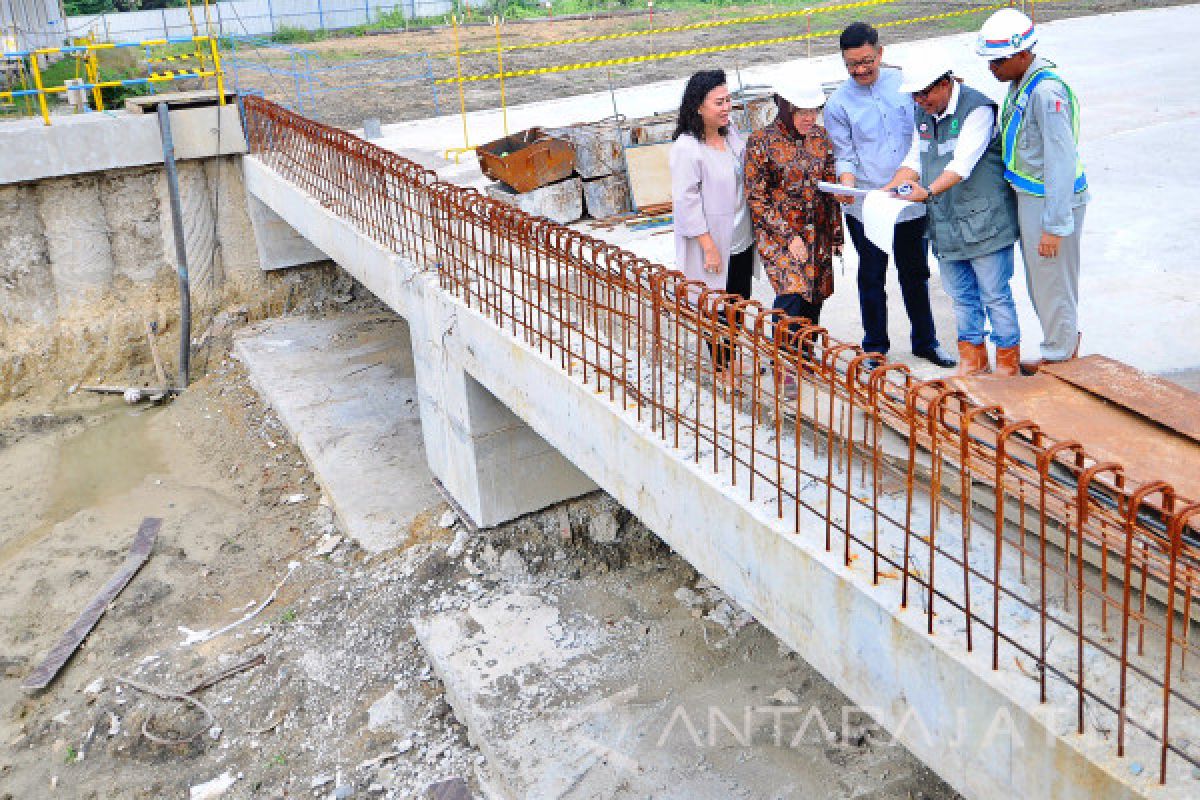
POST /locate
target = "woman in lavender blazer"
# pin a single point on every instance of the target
(714, 240)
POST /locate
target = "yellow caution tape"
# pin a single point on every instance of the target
(699, 51)
(695, 26)
(180, 73)
(164, 59)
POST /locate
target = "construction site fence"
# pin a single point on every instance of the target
(1007, 540)
(269, 17)
(255, 17)
(808, 35)
(202, 57)
(300, 79)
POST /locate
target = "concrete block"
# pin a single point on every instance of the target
(561, 202)
(345, 388)
(597, 149)
(607, 196)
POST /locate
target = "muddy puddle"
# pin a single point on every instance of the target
(110, 454)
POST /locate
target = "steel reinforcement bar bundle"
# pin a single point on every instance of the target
(1057, 565)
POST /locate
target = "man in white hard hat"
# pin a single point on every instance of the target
(870, 123)
(1040, 136)
(955, 167)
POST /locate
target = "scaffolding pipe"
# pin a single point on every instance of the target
(185, 292)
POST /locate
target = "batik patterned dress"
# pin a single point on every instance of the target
(782, 170)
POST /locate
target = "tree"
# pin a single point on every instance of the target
(75, 8)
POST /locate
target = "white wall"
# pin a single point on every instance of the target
(248, 17)
(26, 24)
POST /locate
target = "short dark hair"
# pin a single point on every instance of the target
(698, 87)
(856, 35)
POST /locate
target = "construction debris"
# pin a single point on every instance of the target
(143, 543)
(560, 202)
(527, 160)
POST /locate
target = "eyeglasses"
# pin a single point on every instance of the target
(995, 62)
(861, 63)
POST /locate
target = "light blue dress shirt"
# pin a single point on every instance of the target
(871, 128)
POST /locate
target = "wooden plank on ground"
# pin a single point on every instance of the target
(143, 543)
(649, 174)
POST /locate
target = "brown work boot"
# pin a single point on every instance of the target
(1008, 361)
(972, 360)
(1031, 367)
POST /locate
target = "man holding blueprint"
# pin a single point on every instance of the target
(956, 168)
(870, 123)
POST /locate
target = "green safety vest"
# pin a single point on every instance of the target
(1015, 170)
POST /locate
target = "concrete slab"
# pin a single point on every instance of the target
(345, 389)
(113, 140)
(1141, 144)
(590, 688)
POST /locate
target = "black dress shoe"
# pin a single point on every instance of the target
(937, 355)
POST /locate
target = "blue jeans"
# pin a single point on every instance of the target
(980, 291)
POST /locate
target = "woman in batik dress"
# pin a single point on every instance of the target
(798, 228)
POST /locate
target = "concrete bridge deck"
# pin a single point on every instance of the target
(549, 363)
(1017, 614)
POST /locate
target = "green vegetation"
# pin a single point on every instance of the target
(60, 72)
(79, 7)
(287, 34)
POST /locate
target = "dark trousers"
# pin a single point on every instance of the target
(912, 268)
(739, 280)
(796, 305)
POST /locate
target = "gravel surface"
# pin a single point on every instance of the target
(399, 93)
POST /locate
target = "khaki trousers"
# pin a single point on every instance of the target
(1053, 283)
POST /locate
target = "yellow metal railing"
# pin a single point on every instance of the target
(88, 53)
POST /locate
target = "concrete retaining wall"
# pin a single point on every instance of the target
(86, 260)
(87, 251)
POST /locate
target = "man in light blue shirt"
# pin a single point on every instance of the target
(870, 123)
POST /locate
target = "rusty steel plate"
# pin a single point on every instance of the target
(1146, 449)
(1158, 399)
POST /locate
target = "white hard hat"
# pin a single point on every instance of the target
(1006, 33)
(801, 93)
(924, 69)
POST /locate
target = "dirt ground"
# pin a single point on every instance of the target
(393, 91)
(331, 694)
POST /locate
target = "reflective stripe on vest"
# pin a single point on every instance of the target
(1018, 179)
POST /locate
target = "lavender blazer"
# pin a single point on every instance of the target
(704, 194)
